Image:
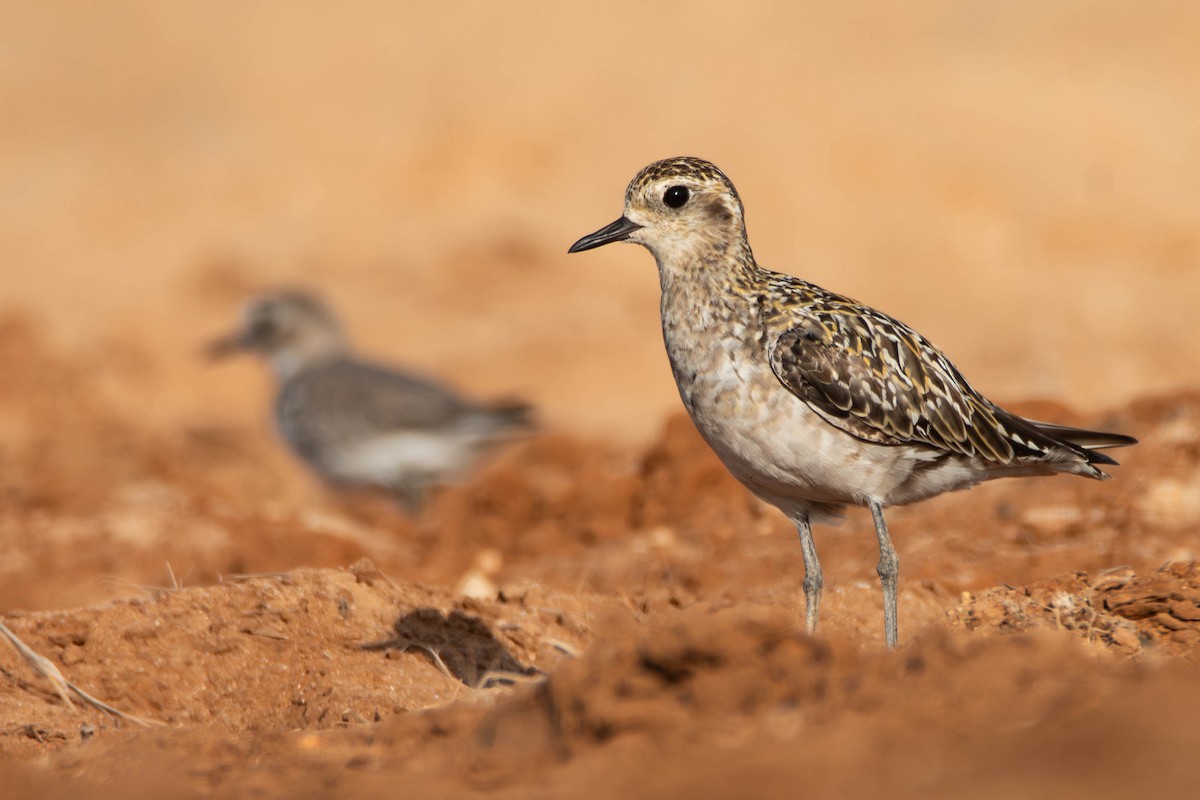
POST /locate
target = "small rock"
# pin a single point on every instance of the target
(1126, 638)
(1188, 636)
(1171, 501)
(1052, 521)
(1170, 623)
(72, 654)
(1185, 610)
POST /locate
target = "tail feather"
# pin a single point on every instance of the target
(1047, 443)
(1088, 440)
(512, 413)
(1085, 442)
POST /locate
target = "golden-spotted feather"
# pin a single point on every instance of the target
(880, 381)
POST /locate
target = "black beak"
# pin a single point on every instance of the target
(619, 231)
(226, 346)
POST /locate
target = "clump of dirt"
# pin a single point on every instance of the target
(1118, 608)
(297, 650)
(578, 619)
(718, 701)
(326, 680)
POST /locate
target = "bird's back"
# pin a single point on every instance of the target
(362, 423)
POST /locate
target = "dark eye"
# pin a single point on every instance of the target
(263, 328)
(676, 196)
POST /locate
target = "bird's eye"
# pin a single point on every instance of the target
(263, 328)
(676, 196)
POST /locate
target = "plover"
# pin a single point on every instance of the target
(812, 400)
(357, 423)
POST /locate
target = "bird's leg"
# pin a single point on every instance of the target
(411, 494)
(813, 579)
(889, 571)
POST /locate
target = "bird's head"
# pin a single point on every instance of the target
(290, 329)
(677, 208)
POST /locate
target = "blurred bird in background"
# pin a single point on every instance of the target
(360, 424)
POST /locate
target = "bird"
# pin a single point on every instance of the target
(813, 401)
(357, 423)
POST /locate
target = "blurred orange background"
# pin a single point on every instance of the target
(1017, 180)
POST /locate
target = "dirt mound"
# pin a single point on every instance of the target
(718, 702)
(1118, 608)
(319, 682)
(602, 610)
(580, 619)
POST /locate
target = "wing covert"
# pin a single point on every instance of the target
(881, 382)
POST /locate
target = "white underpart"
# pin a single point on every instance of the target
(286, 362)
(392, 458)
(780, 448)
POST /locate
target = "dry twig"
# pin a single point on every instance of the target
(46, 668)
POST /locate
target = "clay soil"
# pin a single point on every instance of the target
(600, 610)
(580, 619)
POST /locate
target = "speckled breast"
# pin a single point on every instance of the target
(767, 437)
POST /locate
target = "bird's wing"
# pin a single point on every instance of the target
(880, 381)
(393, 400)
(348, 399)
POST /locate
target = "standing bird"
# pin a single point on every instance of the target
(813, 401)
(356, 423)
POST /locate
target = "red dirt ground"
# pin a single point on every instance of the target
(636, 627)
(601, 611)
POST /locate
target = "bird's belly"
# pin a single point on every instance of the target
(776, 445)
(391, 458)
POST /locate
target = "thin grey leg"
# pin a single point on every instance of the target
(889, 572)
(411, 494)
(814, 580)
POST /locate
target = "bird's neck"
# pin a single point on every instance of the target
(706, 292)
(714, 268)
(288, 362)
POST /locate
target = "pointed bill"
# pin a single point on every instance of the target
(226, 345)
(619, 231)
